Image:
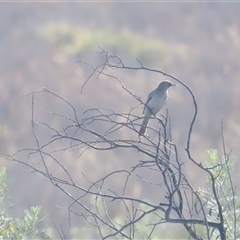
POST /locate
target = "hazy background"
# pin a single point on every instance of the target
(40, 44)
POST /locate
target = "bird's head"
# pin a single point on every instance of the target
(165, 85)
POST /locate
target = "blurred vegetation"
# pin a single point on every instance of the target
(41, 43)
(78, 41)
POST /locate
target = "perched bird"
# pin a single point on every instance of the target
(155, 102)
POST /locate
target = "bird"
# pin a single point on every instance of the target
(155, 101)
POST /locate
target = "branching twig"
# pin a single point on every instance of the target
(99, 130)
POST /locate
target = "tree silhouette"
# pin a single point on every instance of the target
(100, 130)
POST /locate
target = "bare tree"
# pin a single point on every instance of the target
(180, 204)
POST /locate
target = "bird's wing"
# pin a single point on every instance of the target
(148, 100)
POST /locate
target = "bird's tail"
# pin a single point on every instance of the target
(144, 126)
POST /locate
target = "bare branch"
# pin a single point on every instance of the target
(99, 130)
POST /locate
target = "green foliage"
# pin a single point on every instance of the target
(19, 228)
(73, 40)
(222, 170)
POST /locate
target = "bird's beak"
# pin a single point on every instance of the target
(174, 84)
